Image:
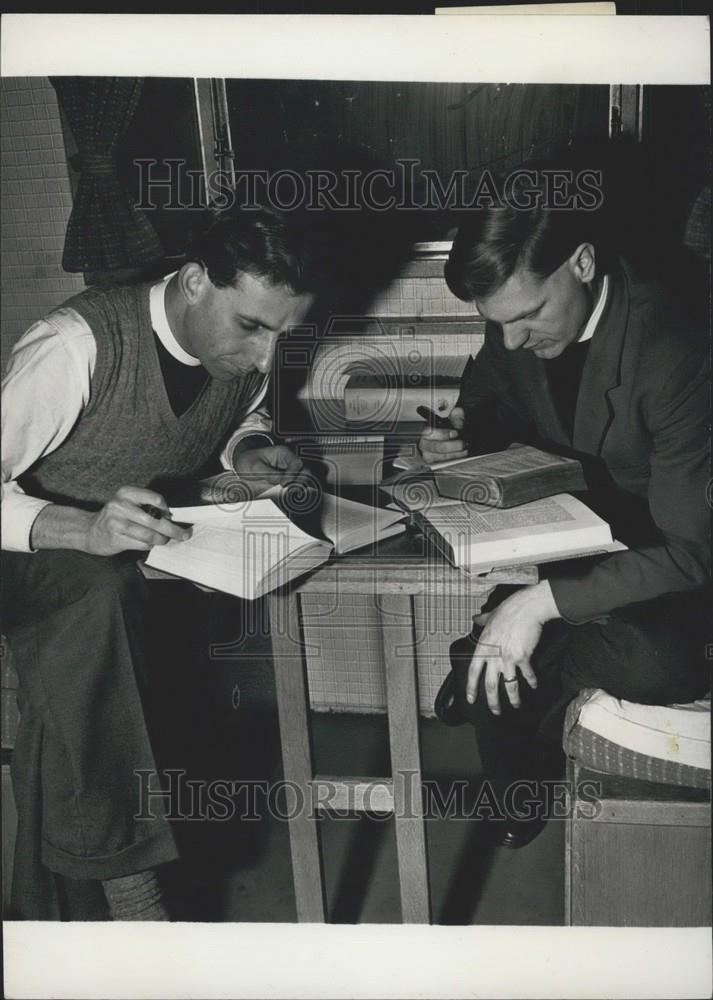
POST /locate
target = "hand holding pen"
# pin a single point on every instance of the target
(129, 521)
(164, 514)
(441, 440)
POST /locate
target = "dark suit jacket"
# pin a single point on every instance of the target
(641, 429)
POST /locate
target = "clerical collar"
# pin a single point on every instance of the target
(593, 320)
(159, 322)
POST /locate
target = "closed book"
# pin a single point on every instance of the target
(508, 478)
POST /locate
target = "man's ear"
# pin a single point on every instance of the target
(582, 263)
(193, 282)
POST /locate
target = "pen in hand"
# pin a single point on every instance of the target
(157, 514)
(431, 418)
(441, 440)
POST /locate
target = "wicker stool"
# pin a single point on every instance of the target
(638, 840)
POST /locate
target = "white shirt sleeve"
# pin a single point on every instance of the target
(43, 393)
(257, 421)
(45, 390)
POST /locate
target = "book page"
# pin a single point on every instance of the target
(411, 463)
(477, 518)
(337, 444)
(513, 461)
(350, 524)
(242, 549)
(486, 536)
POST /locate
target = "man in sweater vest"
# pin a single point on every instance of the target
(582, 358)
(114, 390)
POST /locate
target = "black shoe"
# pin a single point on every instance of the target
(445, 705)
(514, 834)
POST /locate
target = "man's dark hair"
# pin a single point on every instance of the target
(494, 241)
(264, 243)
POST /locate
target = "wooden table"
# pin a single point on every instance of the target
(395, 572)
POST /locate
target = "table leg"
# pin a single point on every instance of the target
(295, 735)
(402, 708)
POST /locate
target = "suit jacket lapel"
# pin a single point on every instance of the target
(602, 370)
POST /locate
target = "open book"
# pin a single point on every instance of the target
(507, 478)
(477, 538)
(248, 549)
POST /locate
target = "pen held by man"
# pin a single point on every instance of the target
(443, 443)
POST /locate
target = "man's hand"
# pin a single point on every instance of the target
(260, 468)
(121, 524)
(507, 642)
(440, 444)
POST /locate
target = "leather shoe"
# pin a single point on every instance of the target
(445, 705)
(514, 834)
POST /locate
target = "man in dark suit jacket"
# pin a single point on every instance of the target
(581, 358)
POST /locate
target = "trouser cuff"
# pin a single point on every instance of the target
(142, 854)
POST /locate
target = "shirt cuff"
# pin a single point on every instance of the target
(256, 424)
(19, 513)
(553, 610)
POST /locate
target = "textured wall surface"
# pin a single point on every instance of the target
(345, 656)
(36, 203)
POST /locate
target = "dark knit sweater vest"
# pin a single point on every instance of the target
(128, 435)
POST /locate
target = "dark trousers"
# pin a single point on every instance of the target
(653, 652)
(77, 628)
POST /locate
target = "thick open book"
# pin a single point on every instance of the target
(477, 538)
(248, 549)
(506, 478)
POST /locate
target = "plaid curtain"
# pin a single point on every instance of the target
(106, 231)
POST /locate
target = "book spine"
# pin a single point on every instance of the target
(557, 479)
(484, 489)
(473, 489)
(416, 494)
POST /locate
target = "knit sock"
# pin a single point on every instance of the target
(135, 897)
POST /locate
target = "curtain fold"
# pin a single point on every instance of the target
(105, 231)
